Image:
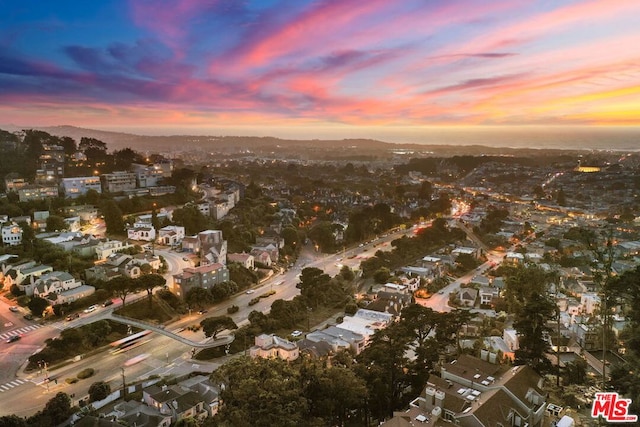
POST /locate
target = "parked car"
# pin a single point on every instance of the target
(73, 316)
(202, 311)
(14, 308)
(296, 334)
(184, 258)
(28, 316)
(91, 308)
(107, 303)
(250, 291)
(13, 338)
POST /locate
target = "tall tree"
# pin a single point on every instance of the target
(212, 326)
(262, 393)
(149, 282)
(38, 305)
(531, 324)
(122, 286)
(112, 217)
(382, 365)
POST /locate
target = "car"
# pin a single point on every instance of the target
(91, 308)
(250, 291)
(202, 311)
(14, 308)
(107, 303)
(296, 334)
(28, 316)
(184, 258)
(72, 316)
(13, 338)
(440, 292)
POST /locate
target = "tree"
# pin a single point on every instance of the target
(212, 326)
(56, 411)
(37, 306)
(426, 190)
(12, 421)
(531, 325)
(121, 286)
(198, 297)
(347, 273)
(561, 198)
(382, 275)
(382, 365)
(149, 282)
(312, 281)
(266, 391)
(467, 262)
(98, 391)
(56, 223)
(191, 219)
(112, 217)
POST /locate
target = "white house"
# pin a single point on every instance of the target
(11, 235)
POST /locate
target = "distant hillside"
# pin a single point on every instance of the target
(230, 144)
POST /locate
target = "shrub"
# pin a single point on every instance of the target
(71, 380)
(254, 301)
(86, 373)
(233, 309)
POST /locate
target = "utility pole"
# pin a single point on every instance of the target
(124, 384)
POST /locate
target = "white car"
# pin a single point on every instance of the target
(296, 334)
(91, 308)
(250, 291)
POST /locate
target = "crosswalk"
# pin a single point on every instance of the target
(8, 386)
(20, 331)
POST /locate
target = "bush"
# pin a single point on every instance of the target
(254, 301)
(86, 373)
(233, 309)
(71, 380)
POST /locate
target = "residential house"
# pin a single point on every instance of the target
(171, 235)
(205, 276)
(141, 232)
(37, 192)
(76, 187)
(209, 392)
(474, 252)
(147, 259)
(488, 294)
(339, 339)
(272, 346)
(60, 287)
(434, 265)
(514, 258)
(118, 181)
(40, 220)
(246, 260)
(87, 213)
(177, 403)
(11, 234)
(467, 296)
(115, 265)
(471, 392)
(389, 301)
(590, 302)
(315, 349)
(24, 275)
(73, 223)
(262, 257)
(138, 414)
(213, 248)
(106, 248)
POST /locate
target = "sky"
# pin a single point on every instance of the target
(310, 68)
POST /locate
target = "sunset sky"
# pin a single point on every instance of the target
(210, 66)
